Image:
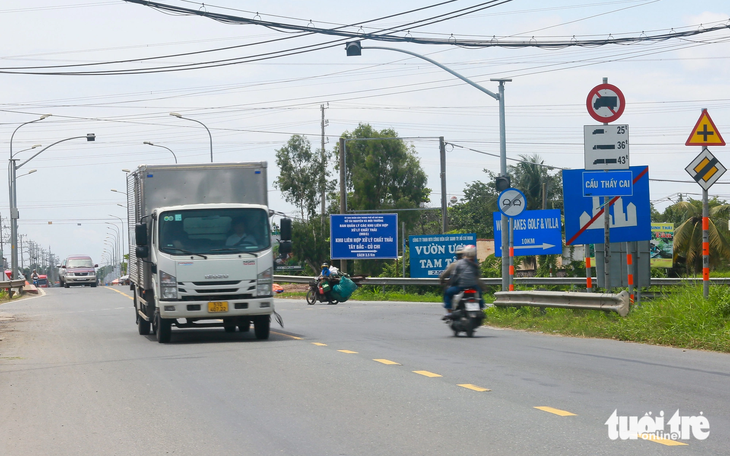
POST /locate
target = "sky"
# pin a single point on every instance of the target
(267, 84)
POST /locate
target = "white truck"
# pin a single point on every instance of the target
(203, 253)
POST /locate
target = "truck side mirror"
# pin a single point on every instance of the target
(140, 234)
(286, 229)
(285, 247)
(142, 251)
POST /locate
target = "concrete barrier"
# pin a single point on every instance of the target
(618, 303)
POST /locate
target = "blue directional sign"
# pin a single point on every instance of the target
(608, 183)
(630, 216)
(363, 236)
(534, 233)
(432, 253)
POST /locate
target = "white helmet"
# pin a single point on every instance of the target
(469, 251)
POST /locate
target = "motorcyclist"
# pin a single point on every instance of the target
(324, 276)
(465, 275)
(34, 277)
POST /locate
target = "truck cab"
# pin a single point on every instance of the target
(203, 255)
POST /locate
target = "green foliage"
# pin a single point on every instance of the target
(310, 242)
(682, 319)
(383, 173)
(687, 216)
(530, 174)
(302, 175)
(473, 214)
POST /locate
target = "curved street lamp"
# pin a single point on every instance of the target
(14, 214)
(174, 114)
(164, 147)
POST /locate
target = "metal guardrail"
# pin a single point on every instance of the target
(544, 281)
(11, 284)
(435, 282)
(618, 303)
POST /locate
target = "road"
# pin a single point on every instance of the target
(353, 379)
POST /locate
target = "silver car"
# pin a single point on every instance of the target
(77, 270)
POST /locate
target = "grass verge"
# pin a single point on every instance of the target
(682, 318)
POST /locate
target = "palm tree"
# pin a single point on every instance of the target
(529, 174)
(688, 235)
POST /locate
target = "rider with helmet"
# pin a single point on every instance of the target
(34, 277)
(465, 275)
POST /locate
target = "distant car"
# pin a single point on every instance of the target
(77, 270)
(43, 281)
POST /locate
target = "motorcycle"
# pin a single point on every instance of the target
(466, 316)
(319, 292)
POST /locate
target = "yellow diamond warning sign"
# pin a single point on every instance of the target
(705, 133)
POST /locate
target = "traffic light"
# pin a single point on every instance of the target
(502, 183)
(353, 48)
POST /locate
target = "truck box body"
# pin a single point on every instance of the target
(198, 266)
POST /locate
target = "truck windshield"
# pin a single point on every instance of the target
(214, 231)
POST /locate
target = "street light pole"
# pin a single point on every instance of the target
(13, 206)
(173, 153)
(121, 222)
(353, 49)
(14, 215)
(174, 114)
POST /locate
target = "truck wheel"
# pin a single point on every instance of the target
(229, 326)
(164, 328)
(244, 326)
(143, 326)
(93, 285)
(261, 327)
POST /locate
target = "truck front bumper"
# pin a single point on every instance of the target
(216, 309)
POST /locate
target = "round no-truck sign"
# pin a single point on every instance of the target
(605, 103)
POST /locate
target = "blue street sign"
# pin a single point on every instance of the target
(608, 183)
(363, 236)
(432, 253)
(630, 216)
(534, 233)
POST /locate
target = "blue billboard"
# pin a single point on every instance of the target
(630, 216)
(533, 233)
(363, 236)
(432, 253)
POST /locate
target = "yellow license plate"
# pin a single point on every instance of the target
(218, 306)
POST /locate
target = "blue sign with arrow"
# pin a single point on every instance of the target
(630, 216)
(534, 232)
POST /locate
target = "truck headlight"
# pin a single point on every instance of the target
(263, 283)
(168, 286)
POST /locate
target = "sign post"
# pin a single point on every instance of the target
(705, 169)
(606, 103)
(511, 203)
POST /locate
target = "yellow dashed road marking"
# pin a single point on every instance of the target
(474, 387)
(387, 361)
(427, 374)
(120, 292)
(319, 344)
(555, 411)
(285, 335)
(667, 442)
(346, 351)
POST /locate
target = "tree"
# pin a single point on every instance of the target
(383, 173)
(529, 175)
(311, 242)
(688, 234)
(300, 175)
(473, 214)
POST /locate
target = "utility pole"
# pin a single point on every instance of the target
(343, 193)
(323, 186)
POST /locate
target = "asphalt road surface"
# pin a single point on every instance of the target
(358, 378)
